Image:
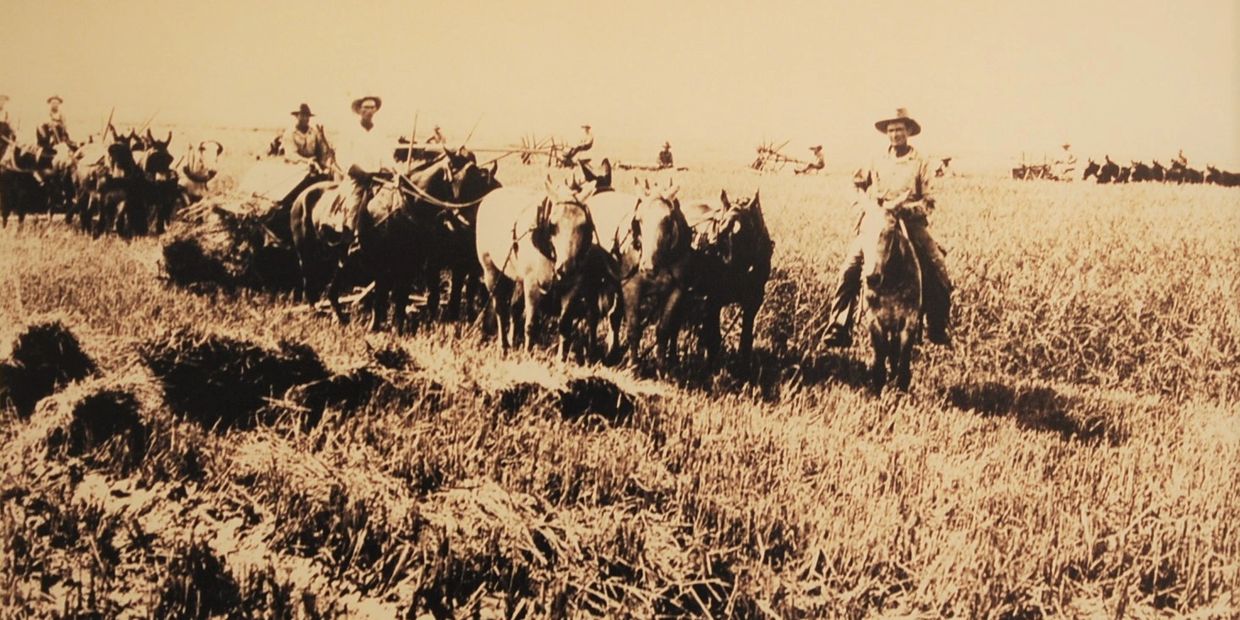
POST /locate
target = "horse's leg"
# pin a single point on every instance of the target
(710, 335)
(904, 365)
(533, 297)
(459, 278)
(380, 296)
(334, 288)
(615, 317)
(632, 318)
(568, 312)
(749, 314)
(668, 329)
(501, 293)
(433, 281)
(878, 366)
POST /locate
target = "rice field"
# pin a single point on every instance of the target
(1075, 455)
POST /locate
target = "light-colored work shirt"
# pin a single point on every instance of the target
(369, 150)
(891, 176)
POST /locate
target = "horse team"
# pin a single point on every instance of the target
(1179, 173)
(126, 183)
(598, 263)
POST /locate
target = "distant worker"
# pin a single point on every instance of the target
(7, 135)
(944, 168)
(665, 156)
(437, 137)
(901, 172)
(586, 143)
(817, 165)
(6, 129)
(303, 144)
(366, 156)
(1180, 159)
(53, 130)
(1065, 166)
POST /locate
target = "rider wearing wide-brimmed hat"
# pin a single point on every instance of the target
(365, 154)
(53, 131)
(899, 172)
(306, 144)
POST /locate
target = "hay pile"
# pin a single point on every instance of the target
(101, 418)
(222, 382)
(579, 398)
(219, 248)
(45, 356)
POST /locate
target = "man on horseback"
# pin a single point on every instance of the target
(366, 155)
(901, 170)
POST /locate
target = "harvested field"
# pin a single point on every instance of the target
(1073, 455)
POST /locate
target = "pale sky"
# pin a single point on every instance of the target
(986, 80)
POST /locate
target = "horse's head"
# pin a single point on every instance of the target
(136, 140)
(120, 157)
(158, 162)
(564, 231)
(1092, 169)
(741, 235)
(660, 233)
(601, 179)
(884, 240)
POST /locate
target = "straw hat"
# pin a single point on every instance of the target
(357, 103)
(55, 98)
(902, 116)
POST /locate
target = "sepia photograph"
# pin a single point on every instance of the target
(558, 309)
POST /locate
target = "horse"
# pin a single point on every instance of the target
(892, 291)
(20, 190)
(392, 235)
(161, 188)
(532, 245)
(453, 245)
(732, 251)
(200, 168)
(649, 238)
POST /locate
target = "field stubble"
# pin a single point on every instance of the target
(1075, 454)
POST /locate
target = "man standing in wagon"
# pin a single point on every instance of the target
(901, 170)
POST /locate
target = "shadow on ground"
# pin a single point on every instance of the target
(1037, 408)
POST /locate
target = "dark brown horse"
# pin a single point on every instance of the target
(892, 292)
(732, 262)
(20, 190)
(393, 234)
(452, 246)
